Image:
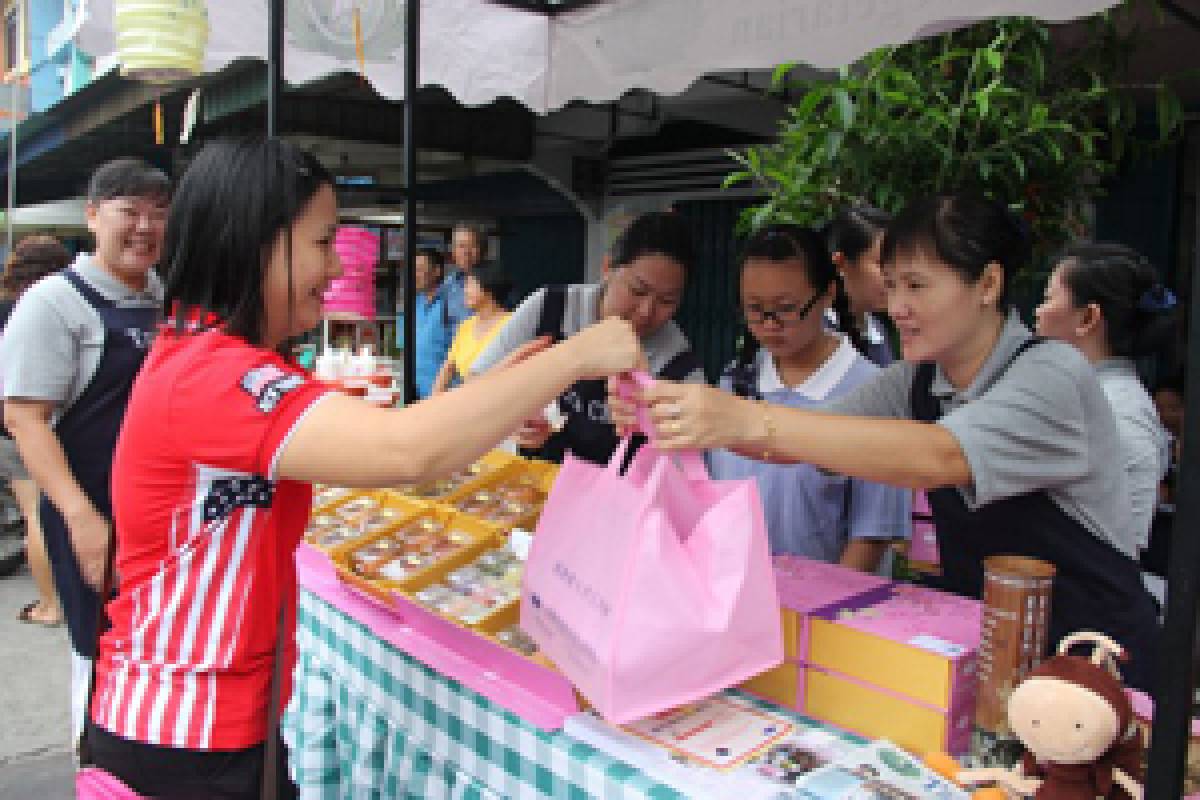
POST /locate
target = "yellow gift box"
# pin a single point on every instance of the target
(878, 714)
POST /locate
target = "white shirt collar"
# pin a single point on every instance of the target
(112, 288)
(873, 334)
(818, 385)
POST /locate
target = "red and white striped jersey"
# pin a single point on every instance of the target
(206, 534)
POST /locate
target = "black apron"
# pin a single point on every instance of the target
(1097, 587)
(588, 432)
(88, 435)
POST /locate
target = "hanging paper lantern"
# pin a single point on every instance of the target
(161, 41)
(354, 292)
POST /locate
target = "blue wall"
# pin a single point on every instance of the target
(51, 72)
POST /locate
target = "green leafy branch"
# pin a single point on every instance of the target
(999, 107)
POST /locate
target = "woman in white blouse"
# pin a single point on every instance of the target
(1106, 300)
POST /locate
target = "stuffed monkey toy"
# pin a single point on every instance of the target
(1076, 722)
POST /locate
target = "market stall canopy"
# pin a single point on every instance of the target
(480, 50)
(60, 216)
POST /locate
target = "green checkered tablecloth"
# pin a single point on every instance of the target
(368, 721)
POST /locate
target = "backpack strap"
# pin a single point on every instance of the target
(925, 407)
(554, 309)
(681, 365)
(921, 402)
(743, 379)
(85, 289)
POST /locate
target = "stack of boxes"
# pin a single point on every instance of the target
(884, 660)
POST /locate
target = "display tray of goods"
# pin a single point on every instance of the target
(438, 558)
(455, 580)
(501, 490)
(340, 515)
(507, 497)
(416, 545)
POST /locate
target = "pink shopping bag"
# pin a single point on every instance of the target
(923, 547)
(93, 783)
(653, 589)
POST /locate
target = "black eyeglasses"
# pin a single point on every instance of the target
(784, 314)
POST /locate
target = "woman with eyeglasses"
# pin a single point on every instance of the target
(644, 278)
(1011, 435)
(789, 357)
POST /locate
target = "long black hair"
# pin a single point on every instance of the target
(965, 231)
(784, 242)
(854, 230)
(1139, 312)
(232, 203)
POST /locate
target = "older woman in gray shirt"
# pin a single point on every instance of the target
(1011, 435)
(1105, 299)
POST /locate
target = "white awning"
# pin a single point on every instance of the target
(57, 216)
(480, 51)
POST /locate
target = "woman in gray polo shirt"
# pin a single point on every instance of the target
(1024, 457)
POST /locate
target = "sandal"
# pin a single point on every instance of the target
(26, 615)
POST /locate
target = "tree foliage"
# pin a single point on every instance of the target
(998, 107)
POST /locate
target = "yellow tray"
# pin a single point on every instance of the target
(331, 508)
(506, 474)
(326, 506)
(483, 538)
(430, 491)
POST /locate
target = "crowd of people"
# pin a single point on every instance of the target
(148, 393)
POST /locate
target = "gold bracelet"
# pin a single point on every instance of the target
(769, 425)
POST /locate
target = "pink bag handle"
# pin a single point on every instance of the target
(690, 461)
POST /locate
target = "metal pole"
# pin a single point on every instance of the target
(12, 163)
(276, 17)
(412, 47)
(1173, 696)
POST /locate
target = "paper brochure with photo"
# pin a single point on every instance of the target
(787, 762)
(721, 732)
(879, 771)
(771, 771)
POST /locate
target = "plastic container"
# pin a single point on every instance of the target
(1016, 616)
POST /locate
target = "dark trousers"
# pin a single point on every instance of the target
(172, 773)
